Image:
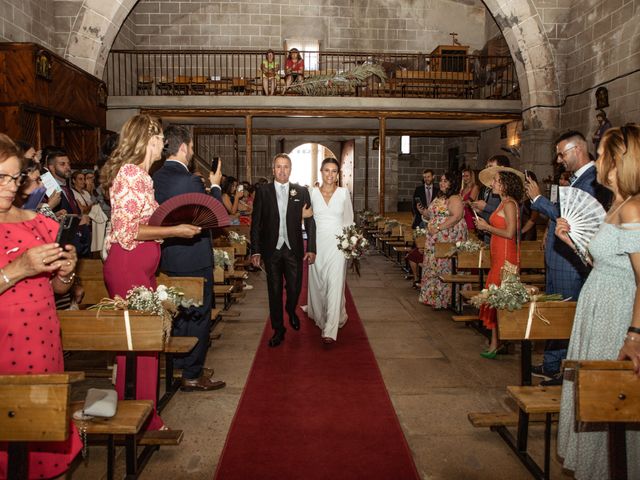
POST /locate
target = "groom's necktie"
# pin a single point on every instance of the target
(282, 209)
(428, 193)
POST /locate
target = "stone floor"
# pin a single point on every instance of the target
(431, 367)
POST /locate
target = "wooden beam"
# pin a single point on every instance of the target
(331, 113)
(249, 147)
(347, 132)
(381, 164)
(366, 173)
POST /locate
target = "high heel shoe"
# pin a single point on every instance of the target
(491, 354)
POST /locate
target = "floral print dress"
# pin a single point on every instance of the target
(433, 291)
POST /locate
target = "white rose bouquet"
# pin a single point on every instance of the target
(353, 245)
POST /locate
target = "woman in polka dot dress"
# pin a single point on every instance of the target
(32, 268)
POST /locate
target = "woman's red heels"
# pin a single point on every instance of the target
(328, 340)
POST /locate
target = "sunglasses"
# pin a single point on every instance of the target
(562, 154)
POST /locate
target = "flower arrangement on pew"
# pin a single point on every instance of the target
(164, 301)
(419, 232)
(221, 258)
(353, 245)
(466, 246)
(365, 218)
(235, 237)
(512, 294)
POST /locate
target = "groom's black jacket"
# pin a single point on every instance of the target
(265, 221)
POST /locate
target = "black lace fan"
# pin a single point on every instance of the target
(192, 208)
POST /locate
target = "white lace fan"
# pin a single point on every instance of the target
(584, 214)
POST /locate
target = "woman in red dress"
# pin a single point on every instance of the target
(133, 245)
(32, 268)
(504, 229)
(293, 69)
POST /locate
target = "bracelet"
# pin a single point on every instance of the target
(6, 279)
(69, 280)
(633, 330)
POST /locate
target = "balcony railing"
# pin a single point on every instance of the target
(234, 72)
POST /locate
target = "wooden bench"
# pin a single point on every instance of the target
(549, 320)
(33, 408)
(91, 330)
(433, 84)
(609, 392)
(127, 422)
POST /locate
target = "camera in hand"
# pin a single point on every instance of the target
(68, 230)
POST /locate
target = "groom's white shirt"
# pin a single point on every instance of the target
(282, 196)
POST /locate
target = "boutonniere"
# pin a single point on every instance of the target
(293, 192)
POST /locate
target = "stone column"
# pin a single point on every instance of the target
(537, 150)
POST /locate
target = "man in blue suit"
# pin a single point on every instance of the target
(188, 257)
(565, 272)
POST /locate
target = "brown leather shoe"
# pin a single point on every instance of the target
(207, 372)
(201, 384)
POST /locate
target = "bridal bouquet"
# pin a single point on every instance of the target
(164, 301)
(353, 245)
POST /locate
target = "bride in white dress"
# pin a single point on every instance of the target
(332, 210)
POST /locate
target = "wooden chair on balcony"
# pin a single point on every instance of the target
(164, 86)
(198, 84)
(182, 85)
(145, 85)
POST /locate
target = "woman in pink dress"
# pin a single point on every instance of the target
(133, 245)
(469, 193)
(32, 268)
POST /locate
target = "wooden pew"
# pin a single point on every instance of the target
(106, 330)
(550, 320)
(33, 408)
(609, 392)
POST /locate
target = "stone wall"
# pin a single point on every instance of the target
(603, 42)
(28, 21)
(425, 153)
(383, 25)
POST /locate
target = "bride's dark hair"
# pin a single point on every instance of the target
(330, 160)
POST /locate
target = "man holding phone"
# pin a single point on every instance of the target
(423, 196)
(188, 257)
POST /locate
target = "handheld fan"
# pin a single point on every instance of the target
(584, 214)
(192, 208)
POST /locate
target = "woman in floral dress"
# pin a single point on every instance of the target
(445, 223)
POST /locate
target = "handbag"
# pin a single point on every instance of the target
(100, 403)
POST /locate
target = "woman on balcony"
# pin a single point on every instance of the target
(293, 69)
(269, 69)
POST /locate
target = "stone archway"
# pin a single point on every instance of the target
(93, 32)
(98, 23)
(524, 32)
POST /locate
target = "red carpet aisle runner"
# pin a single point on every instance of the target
(311, 411)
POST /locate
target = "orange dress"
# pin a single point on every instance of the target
(502, 249)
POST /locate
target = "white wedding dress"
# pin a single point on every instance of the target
(326, 302)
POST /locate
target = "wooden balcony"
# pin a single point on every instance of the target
(234, 72)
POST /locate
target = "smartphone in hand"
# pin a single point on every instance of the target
(68, 230)
(214, 164)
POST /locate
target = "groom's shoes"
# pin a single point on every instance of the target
(294, 321)
(277, 338)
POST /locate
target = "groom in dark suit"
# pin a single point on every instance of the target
(191, 257)
(276, 239)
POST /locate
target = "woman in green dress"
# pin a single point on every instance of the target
(607, 321)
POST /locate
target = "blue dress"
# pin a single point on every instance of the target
(603, 315)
